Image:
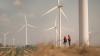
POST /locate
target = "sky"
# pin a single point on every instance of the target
(12, 19)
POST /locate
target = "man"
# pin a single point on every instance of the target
(69, 39)
(65, 40)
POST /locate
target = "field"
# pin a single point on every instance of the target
(50, 50)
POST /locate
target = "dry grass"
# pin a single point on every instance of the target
(50, 50)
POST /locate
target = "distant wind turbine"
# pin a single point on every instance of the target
(55, 28)
(59, 7)
(5, 38)
(13, 41)
(26, 29)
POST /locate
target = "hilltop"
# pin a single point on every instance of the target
(51, 50)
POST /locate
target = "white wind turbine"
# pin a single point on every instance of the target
(13, 41)
(26, 29)
(59, 7)
(5, 38)
(55, 28)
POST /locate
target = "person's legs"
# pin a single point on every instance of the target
(69, 42)
(65, 43)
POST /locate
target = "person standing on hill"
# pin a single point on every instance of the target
(69, 40)
(65, 40)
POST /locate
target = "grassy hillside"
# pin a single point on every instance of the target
(50, 50)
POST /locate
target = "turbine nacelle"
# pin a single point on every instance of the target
(59, 6)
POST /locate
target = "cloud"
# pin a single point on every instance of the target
(26, 14)
(4, 19)
(18, 3)
(5, 23)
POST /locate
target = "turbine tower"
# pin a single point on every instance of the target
(56, 31)
(26, 29)
(60, 10)
(83, 23)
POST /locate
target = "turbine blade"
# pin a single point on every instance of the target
(21, 28)
(50, 10)
(50, 28)
(63, 13)
(31, 26)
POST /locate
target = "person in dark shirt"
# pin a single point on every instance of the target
(69, 40)
(65, 40)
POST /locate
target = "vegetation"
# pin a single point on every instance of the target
(50, 50)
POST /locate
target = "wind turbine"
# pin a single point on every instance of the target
(26, 29)
(83, 23)
(55, 28)
(5, 38)
(13, 41)
(60, 10)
